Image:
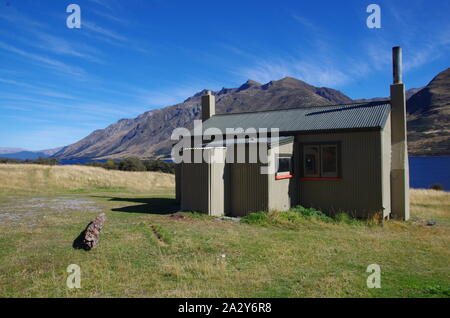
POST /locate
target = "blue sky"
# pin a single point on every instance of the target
(58, 84)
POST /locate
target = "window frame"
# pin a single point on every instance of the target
(317, 155)
(335, 173)
(284, 174)
(321, 175)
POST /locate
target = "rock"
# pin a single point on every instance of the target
(90, 237)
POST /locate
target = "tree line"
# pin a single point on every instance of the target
(135, 164)
(126, 164)
(39, 161)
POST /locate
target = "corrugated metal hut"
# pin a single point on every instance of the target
(339, 158)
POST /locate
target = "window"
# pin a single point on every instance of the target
(311, 161)
(284, 167)
(321, 161)
(329, 161)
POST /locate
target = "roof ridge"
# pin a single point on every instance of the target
(374, 103)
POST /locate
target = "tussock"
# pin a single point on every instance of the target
(41, 178)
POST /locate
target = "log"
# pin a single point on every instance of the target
(92, 232)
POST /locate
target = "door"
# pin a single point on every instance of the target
(248, 189)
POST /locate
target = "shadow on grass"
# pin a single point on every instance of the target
(78, 243)
(150, 205)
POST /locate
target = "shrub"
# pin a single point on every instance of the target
(307, 211)
(135, 164)
(131, 164)
(159, 165)
(39, 161)
(255, 218)
(297, 215)
(346, 219)
(437, 187)
(8, 160)
(111, 165)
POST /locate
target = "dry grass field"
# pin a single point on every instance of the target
(144, 252)
(30, 178)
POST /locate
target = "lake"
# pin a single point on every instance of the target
(426, 171)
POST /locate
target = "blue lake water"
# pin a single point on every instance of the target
(424, 172)
(77, 161)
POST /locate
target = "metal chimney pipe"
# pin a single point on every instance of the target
(208, 105)
(397, 64)
(399, 147)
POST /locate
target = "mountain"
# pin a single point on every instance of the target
(10, 150)
(429, 118)
(408, 94)
(148, 135)
(23, 154)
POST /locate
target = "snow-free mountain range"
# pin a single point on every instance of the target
(148, 135)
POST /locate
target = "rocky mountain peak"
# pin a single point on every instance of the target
(249, 84)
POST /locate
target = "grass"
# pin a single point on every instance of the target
(143, 252)
(31, 178)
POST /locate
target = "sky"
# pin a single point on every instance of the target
(58, 84)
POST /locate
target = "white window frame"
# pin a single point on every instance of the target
(284, 173)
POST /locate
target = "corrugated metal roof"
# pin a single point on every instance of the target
(318, 118)
(270, 141)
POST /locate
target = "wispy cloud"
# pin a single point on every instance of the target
(39, 35)
(55, 65)
(306, 23)
(37, 89)
(59, 45)
(166, 97)
(105, 33)
(12, 16)
(111, 17)
(109, 4)
(310, 72)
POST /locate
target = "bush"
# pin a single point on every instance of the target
(8, 160)
(127, 164)
(345, 218)
(297, 215)
(159, 165)
(307, 211)
(111, 165)
(131, 164)
(437, 187)
(39, 161)
(255, 218)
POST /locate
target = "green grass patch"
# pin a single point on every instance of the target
(144, 252)
(298, 215)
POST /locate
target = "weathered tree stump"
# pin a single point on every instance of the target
(92, 233)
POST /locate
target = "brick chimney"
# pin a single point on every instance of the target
(208, 105)
(399, 154)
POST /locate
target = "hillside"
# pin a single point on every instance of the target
(148, 135)
(408, 93)
(429, 118)
(23, 154)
